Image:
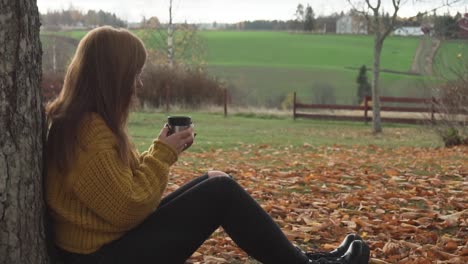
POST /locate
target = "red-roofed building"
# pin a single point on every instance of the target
(463, 25)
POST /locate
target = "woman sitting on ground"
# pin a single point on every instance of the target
(105, 200)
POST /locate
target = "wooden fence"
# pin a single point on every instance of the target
(418, 105)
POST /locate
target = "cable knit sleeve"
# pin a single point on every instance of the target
(119, 195)
(145, 153)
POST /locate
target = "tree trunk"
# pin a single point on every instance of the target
(376, 121)
(21, 136)
(170, 39)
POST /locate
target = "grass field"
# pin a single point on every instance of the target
(261, 68)
(452, 55)
(214, 131)
(265, 85)
(266, 66)
(76, 34)
(286, 50)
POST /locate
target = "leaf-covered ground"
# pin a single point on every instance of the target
(410, 204)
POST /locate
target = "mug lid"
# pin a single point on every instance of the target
(179, 120)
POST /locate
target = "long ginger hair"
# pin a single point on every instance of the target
(101, 78)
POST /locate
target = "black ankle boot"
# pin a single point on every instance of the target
(357, 253)
(338, 252)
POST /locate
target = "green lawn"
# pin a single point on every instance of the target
(266, 85)
(214, 132)
(286, 50)
(263, 67)
(77, 34)
(452, 54)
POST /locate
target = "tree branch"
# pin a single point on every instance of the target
(447, 3)
(376, 8)
(361, 12)
(396, 6)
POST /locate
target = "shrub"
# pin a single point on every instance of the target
(188, 88)
(51, 85)
(364, 87)
(182, 86)
(452, 108)
(288, 102)
(451, 137)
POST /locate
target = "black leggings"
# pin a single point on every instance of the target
(188, 216)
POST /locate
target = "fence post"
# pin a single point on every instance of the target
(225, 102)
(366, 108)
(433, 109)
(294, 106)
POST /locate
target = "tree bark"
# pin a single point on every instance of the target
(22, 135)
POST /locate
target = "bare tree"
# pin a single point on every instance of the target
(381, 31)
(177, 47)
(22, 135)
(300, 17)
(382, 27)
(165, 48)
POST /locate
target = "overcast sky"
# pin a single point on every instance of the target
(207, 11)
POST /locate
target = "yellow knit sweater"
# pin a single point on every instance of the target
(100, 198)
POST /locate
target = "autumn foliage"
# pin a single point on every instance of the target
(408, 203)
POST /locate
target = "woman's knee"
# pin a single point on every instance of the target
(222, 182)
(212, 174)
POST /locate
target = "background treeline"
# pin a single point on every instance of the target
(446, 26)
(263, 25)
(442, 26)
(304, 21)
(76, 18)
(324, 22)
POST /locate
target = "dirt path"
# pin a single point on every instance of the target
(425, 54)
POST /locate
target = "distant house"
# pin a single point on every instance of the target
(463, 25)
(351, 25)
(408, 31)
(327, 27)
(427, 29)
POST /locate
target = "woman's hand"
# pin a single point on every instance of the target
(180, 141)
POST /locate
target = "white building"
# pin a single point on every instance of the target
(408, 31)
(351, 25)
